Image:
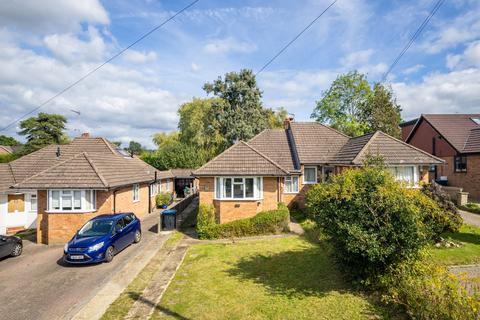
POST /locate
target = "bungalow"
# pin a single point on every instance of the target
(454, 138)
(280, 165)
(58, 188)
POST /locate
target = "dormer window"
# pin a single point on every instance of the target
(476, 120)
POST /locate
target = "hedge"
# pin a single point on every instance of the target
(266, 222)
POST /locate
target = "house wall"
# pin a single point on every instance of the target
(59, 227)
(423, 139)
(469, 181)
(12, 222)
(406, 131)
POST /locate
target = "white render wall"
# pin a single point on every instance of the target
(26, 219)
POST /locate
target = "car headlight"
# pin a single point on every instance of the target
(65, 248)
(95, 247)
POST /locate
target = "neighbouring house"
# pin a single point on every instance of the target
(183, 179)
(9, 149)
(58, 188)
(456, 139)
(280, 165)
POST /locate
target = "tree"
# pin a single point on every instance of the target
(8, 141)
(276, 118)
(196, 125)
(163, 139)
(134, 148)
(173, 156)
(351, 106)
(43, 130)
(239, 115)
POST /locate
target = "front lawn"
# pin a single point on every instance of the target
(281, 278)
(468, 253)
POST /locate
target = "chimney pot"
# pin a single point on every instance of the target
(286, 123)
(85, 135)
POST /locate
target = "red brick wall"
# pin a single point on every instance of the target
(469, 181)
(423, 139)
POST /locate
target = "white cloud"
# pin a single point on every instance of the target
(69, 48)
(357, 58)
(51, 15)
(139, 56)
(219, 46)
(195, 67)
(456, 91)
(413, 69)
(469, 58)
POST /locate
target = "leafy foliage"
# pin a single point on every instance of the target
(4, 158)
(351, 106)
(163, 199)
(134, 148)
(175, 156)
(43, 130)
(276, 118)
(373, 222)
(266, 222)
(8, 141)
(163, 139)
(239, 114)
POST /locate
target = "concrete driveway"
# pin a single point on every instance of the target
(38, 285)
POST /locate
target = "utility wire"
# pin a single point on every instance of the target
(413, 38)
(294, 39)
(73, 84)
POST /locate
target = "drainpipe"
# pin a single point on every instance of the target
(114, 201)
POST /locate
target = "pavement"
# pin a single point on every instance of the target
(470, 218)
(38, 285)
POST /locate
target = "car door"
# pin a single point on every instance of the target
(5, 247)
(129, 228)
(119, 240)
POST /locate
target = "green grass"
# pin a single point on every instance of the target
(120, 307)
(468, 253)
(472, 207)
(282, 278)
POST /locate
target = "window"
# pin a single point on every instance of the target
(476, 120)
(238, 188)
(136, 192)
(69, 200)
(153, 189)
(460, 163)
(291, 184)
(407, 174)
(33, 202)
(168, 185)
(309, 175)
(328, 173)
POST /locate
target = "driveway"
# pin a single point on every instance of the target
(470, 218)
(38, 285)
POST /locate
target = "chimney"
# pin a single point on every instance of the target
(85, 135)
(289, 119)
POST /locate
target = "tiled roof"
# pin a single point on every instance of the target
(317, 143)
(182, 173)
(85, 162)
(6, 177)
(241, 159)
(275, 144)
(456, 129)
(351, 149)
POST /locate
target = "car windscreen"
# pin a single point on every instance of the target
(95, 228)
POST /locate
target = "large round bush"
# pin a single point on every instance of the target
(373, 222)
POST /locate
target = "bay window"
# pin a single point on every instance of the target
(71, 200)
(406, 174)
(291, 184)
(238, 188)
(309, 175)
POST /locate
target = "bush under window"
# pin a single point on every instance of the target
(163, 199)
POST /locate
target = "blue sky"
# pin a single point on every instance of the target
(46, 45)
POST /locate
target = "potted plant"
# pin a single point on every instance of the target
(163, 200)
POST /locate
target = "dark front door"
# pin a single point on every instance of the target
(180, 185)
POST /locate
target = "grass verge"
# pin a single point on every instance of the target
(283, 278)
(120, 307)
(468, 253)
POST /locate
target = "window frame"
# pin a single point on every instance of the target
(33, 196)
(153, 189)
(416, 175)
(455, 169)
(219, 188)
(136, 192)
(85, 206)
(291, 178)
(304, 175)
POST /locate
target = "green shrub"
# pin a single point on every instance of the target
(472, 207)
(427, 291)
(450, 220)
(371, 220)
(266, 222)
(163, 199)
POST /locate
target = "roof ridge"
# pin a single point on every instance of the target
(422, 116)
(217, 156)
(95, 169)
(48, 169)
(264, 156)
(376, 133)
(108, 145)
(11, 171)
(324, 125)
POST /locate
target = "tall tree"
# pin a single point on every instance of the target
(43, 130)
(8, 141)
(239, 115)
(163, 139)
(276, 118)
(351, 106)
(342, 105)
(175, 156)
(383, 112)
(134, 148)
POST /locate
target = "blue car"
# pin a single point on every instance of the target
(102, 237)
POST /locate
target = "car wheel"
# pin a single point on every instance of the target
(109, 254)
(17, 250)
(138, 236)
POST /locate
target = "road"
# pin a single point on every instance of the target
(38, 285)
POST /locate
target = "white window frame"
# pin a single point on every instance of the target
(84, 205)
(153, 189)
(316, 174)
(136, 192)
(416, 175)
(257, 188)
(168, 185)
(291, 178)
(33, 196)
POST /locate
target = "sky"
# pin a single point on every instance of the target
(46, 45)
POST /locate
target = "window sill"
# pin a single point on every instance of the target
(305, 182)
(239, 199)
(70, 211)
(296, 192)
(135, 201)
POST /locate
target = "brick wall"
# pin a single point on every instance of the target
(469, 181)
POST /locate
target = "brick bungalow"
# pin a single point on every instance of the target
(456, 139)
(58, 188)
(279, 165)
